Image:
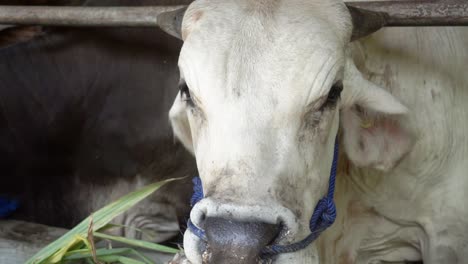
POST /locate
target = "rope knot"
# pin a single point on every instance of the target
(324, 214)
(330, 214)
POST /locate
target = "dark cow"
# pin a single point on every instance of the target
(84, 120)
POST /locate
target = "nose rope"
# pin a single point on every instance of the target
(323, 217)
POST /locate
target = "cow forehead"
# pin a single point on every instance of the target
(288, 14)
(265, 47)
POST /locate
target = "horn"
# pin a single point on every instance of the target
(171, 22)
(366, 22)
(168, 18)
(368, 17)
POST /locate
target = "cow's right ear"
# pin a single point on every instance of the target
(180, 123)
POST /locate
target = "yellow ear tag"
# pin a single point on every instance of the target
(368, 123)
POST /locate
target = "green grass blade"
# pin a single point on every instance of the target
(78, 241)
(112, 226)
(86, 254)
(123, 260)
(138, 243)
(100, 219)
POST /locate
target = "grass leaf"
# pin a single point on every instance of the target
(100, 218)
(138, 243)
(86, 254)
(57, 256)
(121, 259)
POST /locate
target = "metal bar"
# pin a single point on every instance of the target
(420, 12)
(83, 16)
(398, 13)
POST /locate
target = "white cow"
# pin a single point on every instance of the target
(259, 108)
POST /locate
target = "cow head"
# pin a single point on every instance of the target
(263, 87)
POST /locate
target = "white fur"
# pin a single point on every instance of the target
(258, 70)
(383, 142)
(415, 210)
(366, 94)
(180, 125)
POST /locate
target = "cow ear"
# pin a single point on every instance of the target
(373, 135)
(180, 123)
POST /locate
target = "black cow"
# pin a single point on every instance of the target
(84, 120)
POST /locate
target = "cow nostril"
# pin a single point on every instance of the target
(237, 242)
(198, 217)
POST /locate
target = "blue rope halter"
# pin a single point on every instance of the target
(323, 217)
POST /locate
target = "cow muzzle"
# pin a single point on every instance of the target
(234, 242)
(236, 233)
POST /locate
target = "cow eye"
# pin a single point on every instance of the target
(333, 95)
(185, 93)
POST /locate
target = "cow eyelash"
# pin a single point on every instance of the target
(185, 93)
(333, 95)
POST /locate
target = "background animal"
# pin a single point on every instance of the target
(83, 117)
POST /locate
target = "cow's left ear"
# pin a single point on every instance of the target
(180, 123)
(373, 135)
